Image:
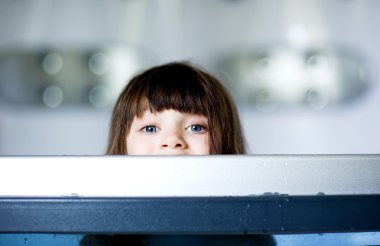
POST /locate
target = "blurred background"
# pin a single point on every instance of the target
(304, 74)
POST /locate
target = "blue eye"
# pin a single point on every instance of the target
(149, 129)
(197, 128)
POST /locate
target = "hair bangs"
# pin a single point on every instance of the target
(186, 101)
(182, 92)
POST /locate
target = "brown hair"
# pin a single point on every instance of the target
(185, 88)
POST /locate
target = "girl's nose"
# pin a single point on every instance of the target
(173, 141)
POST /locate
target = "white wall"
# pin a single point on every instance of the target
(199, 31)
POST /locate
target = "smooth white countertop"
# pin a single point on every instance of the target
(189, 176)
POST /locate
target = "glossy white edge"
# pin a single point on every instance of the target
(188, 176)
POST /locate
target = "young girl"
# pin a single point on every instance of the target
(175, 109)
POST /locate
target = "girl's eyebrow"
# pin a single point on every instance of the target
(143, 120)
(147, 114)
(201, 118)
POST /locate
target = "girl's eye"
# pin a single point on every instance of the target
(149, 129)
(196, 128)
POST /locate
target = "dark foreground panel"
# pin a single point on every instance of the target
(213, 215)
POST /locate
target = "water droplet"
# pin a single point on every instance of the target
(99, 63)
(316, 99)
(52, 63)
(99, 96)
(25, 240)
(280, 205)
(282, 228)
(52, 96)
(287, 200)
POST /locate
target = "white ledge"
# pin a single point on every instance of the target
(190, 176)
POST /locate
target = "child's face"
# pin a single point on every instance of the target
(169, 132)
